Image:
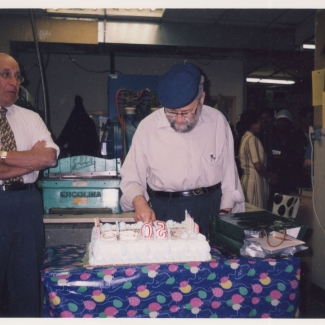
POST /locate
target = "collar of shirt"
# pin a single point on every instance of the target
(10, 110)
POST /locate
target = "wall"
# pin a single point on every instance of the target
(47, 30)
(65, 80)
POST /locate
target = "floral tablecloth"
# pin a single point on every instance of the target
(224, 288)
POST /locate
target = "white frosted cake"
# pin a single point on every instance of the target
(136, 243)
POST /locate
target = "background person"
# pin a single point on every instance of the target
(79, 132)
(301, 136)
(287, 154)
(266, 117)
(253, 161)
(26, 148)
(185, 153)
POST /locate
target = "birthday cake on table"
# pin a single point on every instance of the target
(142, 243)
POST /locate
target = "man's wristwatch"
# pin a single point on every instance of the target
(3, 156)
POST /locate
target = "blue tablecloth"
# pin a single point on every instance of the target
(237, 287)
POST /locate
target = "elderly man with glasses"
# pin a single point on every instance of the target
(182, 157)
(26, 147)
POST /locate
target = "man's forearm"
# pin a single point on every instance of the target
(7, 172)
(32, 160)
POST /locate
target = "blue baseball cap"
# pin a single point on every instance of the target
(178, 87)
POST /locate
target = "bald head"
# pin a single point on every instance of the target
(9, 86)
(5, 56)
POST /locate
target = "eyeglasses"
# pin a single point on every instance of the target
(183, 114)
(7, 75)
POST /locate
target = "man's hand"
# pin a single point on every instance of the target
(224, 211)
(39, 144)
(142, 210)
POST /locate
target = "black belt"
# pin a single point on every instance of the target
(197, 191)
(16, 187)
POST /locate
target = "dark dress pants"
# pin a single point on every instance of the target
(200, 207)
(21, 249)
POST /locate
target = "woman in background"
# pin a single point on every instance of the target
(255, 179)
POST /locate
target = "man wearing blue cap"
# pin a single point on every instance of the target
(184, 153)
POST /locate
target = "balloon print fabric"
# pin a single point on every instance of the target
(223, 288)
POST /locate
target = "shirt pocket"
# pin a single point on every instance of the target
(211, 159)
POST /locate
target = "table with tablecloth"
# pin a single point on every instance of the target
(223, 287)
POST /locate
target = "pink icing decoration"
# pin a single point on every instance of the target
(147, 230)
(189, 223)
(161, 229)
(265, 315)
(52, 295)
(196, 228)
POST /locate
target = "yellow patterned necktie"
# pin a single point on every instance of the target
(8, 142)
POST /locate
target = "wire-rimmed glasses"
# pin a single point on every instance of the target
(8, 75)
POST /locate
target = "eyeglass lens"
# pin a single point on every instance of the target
(8, 75)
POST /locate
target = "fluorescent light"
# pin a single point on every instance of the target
(253, 79)
(309, 46)
(271, 81)
(140, 12)
(274, 81)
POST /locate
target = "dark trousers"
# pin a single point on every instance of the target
(21, 248)
(200, 207)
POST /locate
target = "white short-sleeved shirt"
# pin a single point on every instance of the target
(28, 128)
